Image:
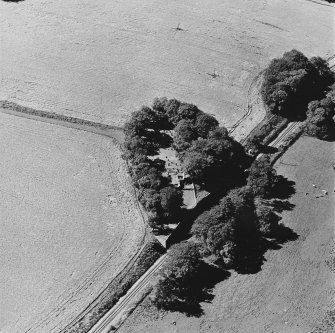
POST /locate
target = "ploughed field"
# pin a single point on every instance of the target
(68, 219)
(295, 290)
(102, 59)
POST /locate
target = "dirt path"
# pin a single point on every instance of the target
(295, 287)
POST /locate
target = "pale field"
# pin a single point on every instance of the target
(68, 219)
(295, 287)
(101, 59)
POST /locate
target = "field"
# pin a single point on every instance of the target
(68, 219)
(295, 290)
(102, 59)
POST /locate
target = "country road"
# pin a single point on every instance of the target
(117, 314)
(290, 128)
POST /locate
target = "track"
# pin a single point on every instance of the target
(249, 108)
(104, 325)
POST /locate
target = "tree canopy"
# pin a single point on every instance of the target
(262, 177)
(320, 121)
(294, 80)
(208, 154)
(214, 160)
(178, 277)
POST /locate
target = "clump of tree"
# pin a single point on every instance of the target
(233, 229)
(292, 81)
(214, 160)
(178, 279)
(207, 152)
(228, 228)
(320, 118)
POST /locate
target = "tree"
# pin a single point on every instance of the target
(216, 231)
(267, 219)
(178, 280)
(171, 199)
(214, 160)
(197, 164)
(150, 199)
(184, 134)
(244, 212)
(171, 109)
(160, 106)
(185, 111)
(204, 124)
(136, 145)
(324, 77)
(320, 122)
(152, 179)
(147, 175)
(262, 178)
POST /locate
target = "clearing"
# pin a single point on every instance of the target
(295, 289)
(69, 222)
(100, 60)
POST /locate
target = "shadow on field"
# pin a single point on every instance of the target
(202, 289)
(251, 255)
(284, 188)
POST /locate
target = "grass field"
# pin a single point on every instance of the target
(68, 219)
(295, 289)
(102, 59)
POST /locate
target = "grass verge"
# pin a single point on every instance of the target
(117, 288)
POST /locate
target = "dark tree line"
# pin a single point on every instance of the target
(240, 218)
(292, 81)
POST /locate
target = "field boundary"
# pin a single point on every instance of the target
(63, 120)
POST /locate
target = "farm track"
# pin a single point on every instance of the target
(255, 85)
(67, 296)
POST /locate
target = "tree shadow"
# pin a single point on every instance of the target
(281, 205)
(251, 254)
(162, 139)
(202, 289)
(12, 0)
(250, 257)
(284, 188)
(283, 234)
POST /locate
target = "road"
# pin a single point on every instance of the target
(291, 127)
(115, 316)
